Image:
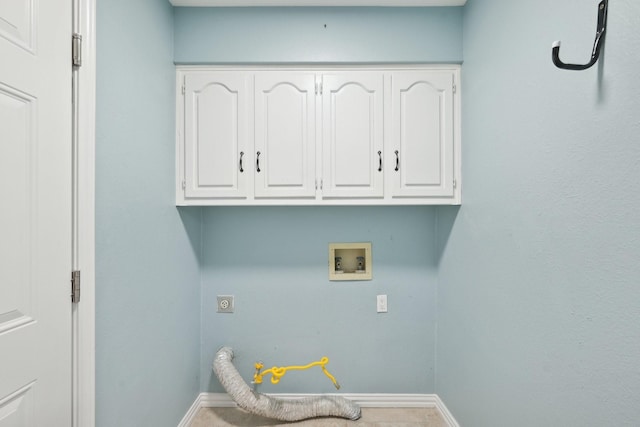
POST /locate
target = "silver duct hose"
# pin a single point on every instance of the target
(279, 409)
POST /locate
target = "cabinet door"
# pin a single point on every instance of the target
(352, 134)
(285, 135)
(422, 142)
(216, 144)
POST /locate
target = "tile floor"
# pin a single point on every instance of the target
(371, 417)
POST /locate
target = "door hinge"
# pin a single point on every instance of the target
(75, 286)
(184, 184)
(455, 88)
(76, 50)
(183, 89)
(455, 184)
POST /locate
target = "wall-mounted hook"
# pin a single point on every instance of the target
(597, 44)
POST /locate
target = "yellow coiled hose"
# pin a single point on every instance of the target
(278, 372)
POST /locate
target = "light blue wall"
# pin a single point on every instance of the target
(539, 303)
(275, 262)
(537, 317)
(308, 35)
(147, 273)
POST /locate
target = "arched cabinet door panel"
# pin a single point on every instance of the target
(284, 165)
(352, 135)
(422, 146)
(217, 149)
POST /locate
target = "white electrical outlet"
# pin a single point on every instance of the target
(382, 304)
(225, 303)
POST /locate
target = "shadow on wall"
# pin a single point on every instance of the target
(191, 218)
(287, 236)
(601, 87)
(445, 219)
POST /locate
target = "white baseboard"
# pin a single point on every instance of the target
(222, 400)
(193, 411)
(444, 413)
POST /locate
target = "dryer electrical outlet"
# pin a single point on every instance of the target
(225, 304)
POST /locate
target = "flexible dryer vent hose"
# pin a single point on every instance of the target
(271, 407)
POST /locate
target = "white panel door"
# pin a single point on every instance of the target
(217, 151)
(352, 135)
(35, 218)
(422, 140)
(285, 135)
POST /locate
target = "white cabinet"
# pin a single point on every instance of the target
(422, 143)
(216, 135)
(318, 135)
(285, 134)
(352, 135)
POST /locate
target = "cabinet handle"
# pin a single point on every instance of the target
(397, 160)
(241, 168)
(380, 164)
(258, 162)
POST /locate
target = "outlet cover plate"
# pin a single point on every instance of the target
(225, 304)
(381, 303)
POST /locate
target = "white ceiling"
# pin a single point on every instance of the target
(389, 3)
